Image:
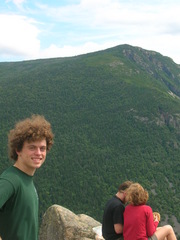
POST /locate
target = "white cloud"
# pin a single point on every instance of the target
(114, 13)
(152, 26)
(19, 36)
(68, 50)
(90, 25)
(18, 3)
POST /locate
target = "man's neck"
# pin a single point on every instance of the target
(120, 196)
(24, 169)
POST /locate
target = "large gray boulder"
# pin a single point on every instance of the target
(59, 223)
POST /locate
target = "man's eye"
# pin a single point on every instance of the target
(31, 147)
(43, 149)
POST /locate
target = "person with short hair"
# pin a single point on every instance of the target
(139, 222)
(28, 144)
(112, 224)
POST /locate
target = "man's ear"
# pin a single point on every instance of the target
(17, 152)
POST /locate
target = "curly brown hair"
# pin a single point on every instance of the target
(136, 194)
(30, 129)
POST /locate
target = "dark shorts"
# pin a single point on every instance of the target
(153, 237)
(121, 238)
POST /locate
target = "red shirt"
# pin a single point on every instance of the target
(138, 222)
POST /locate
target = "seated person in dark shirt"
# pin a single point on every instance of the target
(112, 224)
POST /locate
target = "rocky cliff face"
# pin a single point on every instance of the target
(60, 223)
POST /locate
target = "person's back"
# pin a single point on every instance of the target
(138, 222)
(113, 214)
(112, 223)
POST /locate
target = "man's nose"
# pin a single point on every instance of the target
(38, 151)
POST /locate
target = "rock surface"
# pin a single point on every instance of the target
(59, 223)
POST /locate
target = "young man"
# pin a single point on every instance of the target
(28, 144)
(112, 225)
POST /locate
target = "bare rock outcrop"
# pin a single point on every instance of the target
(59, 223)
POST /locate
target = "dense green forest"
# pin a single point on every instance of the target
(115, 115)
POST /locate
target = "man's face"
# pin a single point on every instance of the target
(125, 198)
(32, 156)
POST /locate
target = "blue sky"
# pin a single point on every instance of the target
(36, 29)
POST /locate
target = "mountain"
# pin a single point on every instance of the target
(116, 117)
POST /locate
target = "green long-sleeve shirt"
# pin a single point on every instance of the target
(18, 206)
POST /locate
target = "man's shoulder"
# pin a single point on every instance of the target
(6, 172)
(10, 175)
(114, 202)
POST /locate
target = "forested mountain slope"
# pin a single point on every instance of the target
(115, 115)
